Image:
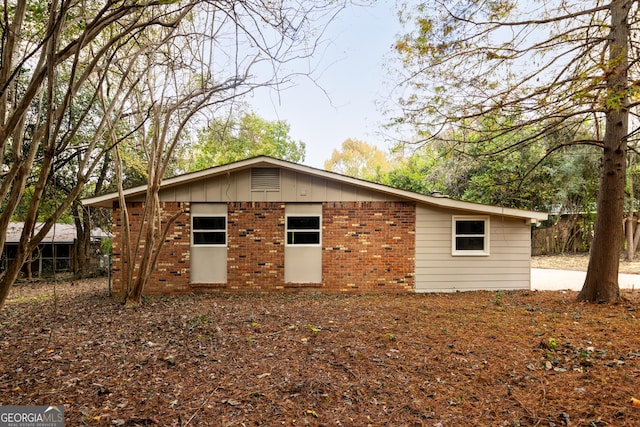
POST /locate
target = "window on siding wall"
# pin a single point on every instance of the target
(470, 236)
(209, 230)
(303, 230)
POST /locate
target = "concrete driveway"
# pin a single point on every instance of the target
(547, 279)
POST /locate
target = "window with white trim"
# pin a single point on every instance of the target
(209, 230)
(470, 235)
(303, 230)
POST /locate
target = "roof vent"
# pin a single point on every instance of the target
(265, 179)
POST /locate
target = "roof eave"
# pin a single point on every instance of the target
(107, 200)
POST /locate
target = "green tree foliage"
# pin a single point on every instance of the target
(230, 140)
(47, 207)
(530, 178)
(414, 173)
(546, 67)
(359, 159)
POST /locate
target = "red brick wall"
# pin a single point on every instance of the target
(171, 275)
(368, 246)
(255, 232)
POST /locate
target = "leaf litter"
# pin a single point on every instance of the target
(505, 358)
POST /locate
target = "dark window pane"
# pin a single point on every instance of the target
(11, 250)
(470, 227)
(208, 238)
(63, 251)
(303, 238)
(46, 250)
(470, 243)
(303, 223)
(209, 223)
(63, 264)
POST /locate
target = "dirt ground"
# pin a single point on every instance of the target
(464, 359)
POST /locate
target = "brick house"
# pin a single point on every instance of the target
(265, 225)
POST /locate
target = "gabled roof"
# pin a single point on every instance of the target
(107, 200)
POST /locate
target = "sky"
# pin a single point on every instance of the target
(351, 79)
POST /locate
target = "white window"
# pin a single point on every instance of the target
(470, 236)
(303, 230)
(209, 230)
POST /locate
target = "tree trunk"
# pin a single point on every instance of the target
(126, 256)
(82, 248)
(601, 283)
(150, 220)
(570, 230)
(629, 230)
(630, 224)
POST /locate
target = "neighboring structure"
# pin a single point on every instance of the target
(566, 231)
(54, 253)
(263, 225)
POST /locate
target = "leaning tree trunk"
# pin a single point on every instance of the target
(601, 283)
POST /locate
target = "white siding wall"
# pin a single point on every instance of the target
(507, 267)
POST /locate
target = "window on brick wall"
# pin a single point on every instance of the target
(209, 230)
(303, 230)
(470, 236)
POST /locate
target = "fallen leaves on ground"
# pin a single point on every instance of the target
(477, 358)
